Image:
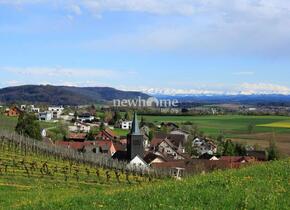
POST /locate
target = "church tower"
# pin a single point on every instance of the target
(135, 140)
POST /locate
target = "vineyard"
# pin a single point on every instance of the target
(34, 175)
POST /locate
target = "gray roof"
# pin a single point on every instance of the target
(135, 126)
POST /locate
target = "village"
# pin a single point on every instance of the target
(128, 137)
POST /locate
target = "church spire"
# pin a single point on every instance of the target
(135, 126)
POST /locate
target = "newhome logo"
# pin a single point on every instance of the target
(150, 102)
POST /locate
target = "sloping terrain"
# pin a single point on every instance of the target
(262, 186)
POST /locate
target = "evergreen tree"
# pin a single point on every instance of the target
(229, 148)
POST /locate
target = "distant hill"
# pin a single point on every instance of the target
(63, 95)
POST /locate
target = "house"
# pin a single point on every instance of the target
(180, 132)
(79, 137)
(259, 155)
(178, 140)
(193, 166)
(13, 112)
(151, 158)
(86, 146)
(79, 127)
(169, 125)
(85, 117)
(45, 116)
(107, 147)
(29, 108)
(126, 125)
(238, 159)
(106, 134)
(167, 149)
(207, 156)
(202, 146)
(56, 111)
(35, 110)
(137, 163)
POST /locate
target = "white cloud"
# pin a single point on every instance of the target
(60, 72)
(211, 26)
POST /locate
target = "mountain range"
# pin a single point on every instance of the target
(63, 95)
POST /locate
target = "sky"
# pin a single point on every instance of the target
(156, 46)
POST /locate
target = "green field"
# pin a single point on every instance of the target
(9, 123)
(120, 132)
(228, 124)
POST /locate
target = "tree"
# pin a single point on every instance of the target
(108, 116)
(117, 117)
(28, 126)
(240, 149)
(229, 148)
(92, 109)
(102, 126)
(128, 116)
(143, 122)
(251, 127)
(150, 136)
(273, 152)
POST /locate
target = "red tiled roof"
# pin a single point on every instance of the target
(119, 147)
(107, 134)
(237, 158)
(77, 136)
(75, 145)
(156, 141)
(102, 144)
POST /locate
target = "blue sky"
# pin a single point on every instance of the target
(168, 46)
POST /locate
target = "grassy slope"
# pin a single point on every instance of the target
(18, 191)
(258, 187)
(265, 186)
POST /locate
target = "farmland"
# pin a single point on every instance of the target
(235, 127)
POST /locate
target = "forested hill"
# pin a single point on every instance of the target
(63, 95)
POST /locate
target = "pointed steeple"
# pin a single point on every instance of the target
(135, 126)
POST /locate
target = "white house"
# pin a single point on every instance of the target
(137, 163)
(126, 125)
(56, 111)
(35, 110)
(204, 146)
(80, 127)
(86, 117)
(45, 116)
